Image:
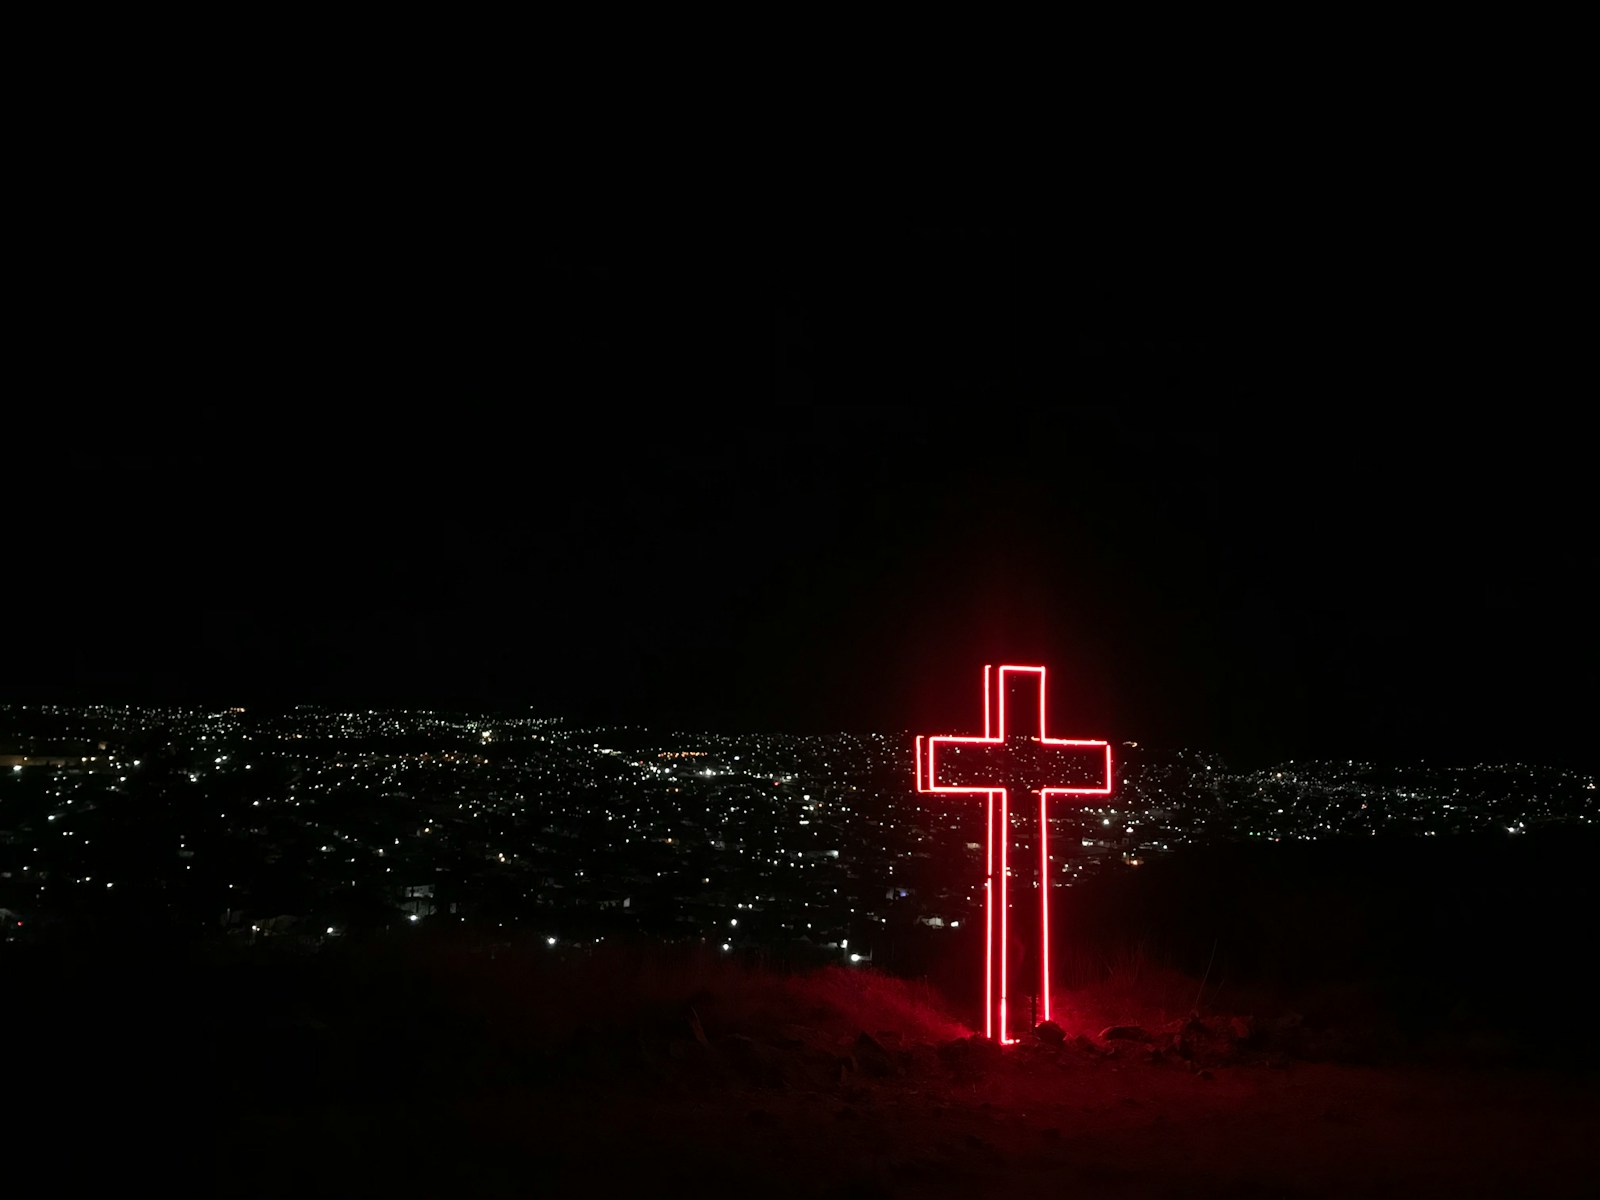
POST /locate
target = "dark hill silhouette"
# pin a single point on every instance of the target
(1323, 1019)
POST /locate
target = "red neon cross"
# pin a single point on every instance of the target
(995, 765)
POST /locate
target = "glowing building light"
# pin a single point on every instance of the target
(994, 766)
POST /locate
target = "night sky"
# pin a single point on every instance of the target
(1333, 533)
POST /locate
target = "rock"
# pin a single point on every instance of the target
(974, 1142)
(873, 1057)
(751, 1059)
(1210, 1041)
(695, 1028)
(864, 1187)
(971, 1057)
(1285, 1034)
(1049, 1031)
(1128, 1033)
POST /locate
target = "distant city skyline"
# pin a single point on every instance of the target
(315, 823)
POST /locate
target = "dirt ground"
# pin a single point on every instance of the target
(766, 1120)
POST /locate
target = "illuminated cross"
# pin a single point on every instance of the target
(1010, 759)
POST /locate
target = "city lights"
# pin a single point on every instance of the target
(621, 831)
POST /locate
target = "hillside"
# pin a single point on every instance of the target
(442, 1071)
(1324, 1022)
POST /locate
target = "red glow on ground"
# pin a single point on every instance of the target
(995, 777)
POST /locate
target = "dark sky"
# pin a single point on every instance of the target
(1345, 534)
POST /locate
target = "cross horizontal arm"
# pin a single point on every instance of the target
(1065, 766)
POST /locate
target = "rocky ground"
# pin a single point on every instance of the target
(845, 1086)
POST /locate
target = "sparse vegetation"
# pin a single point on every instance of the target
(388, 1063)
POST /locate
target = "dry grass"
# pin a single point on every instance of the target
(833, 999)
(539, 999)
